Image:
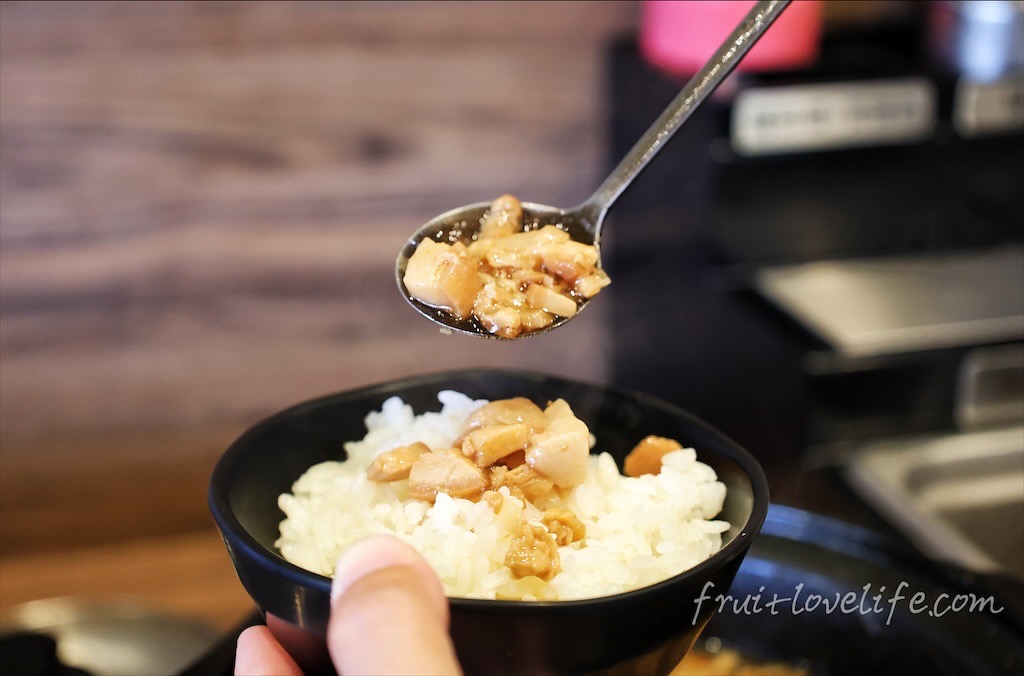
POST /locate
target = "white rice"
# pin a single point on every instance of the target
(638, 530)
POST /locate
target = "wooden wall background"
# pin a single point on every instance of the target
(200, 206)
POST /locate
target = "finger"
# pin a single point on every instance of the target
(259, 654)
(389, 613)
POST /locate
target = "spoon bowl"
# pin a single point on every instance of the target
(463, 224)
(583, 222)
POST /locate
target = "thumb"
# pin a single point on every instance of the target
(389, 614)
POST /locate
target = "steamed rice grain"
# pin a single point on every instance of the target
(638, 530)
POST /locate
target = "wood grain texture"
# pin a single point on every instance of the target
(64, 490)
(201, 206)
(188, 575)
(202, 203)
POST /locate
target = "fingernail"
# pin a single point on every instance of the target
(367, 556)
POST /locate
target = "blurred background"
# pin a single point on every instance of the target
(201, 204)
(201, 208)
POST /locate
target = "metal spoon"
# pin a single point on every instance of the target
(583, 222)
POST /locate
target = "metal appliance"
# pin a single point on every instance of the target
(829, 265)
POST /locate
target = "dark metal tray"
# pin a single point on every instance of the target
(825, 557)
(828, 558)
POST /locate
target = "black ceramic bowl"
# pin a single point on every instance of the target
(646, 631)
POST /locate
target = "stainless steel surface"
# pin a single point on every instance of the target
(989, 108)
(585, 220)
(958, 497)
(865, 308)
(116, 637)
(991, 387)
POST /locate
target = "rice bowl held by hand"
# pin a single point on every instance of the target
(646, 629)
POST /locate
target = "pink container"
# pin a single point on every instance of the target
(679, 36)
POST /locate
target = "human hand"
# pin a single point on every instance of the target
(389, 615)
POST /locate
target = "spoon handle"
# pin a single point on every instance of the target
(693, 94)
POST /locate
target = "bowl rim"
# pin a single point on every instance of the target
(238, 537)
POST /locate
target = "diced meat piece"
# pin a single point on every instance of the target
(503, 218)
(564, 526)
(536, 240)
(543, 298)
(396, 464)
(559, 408)
(505, 322)
(444, 276)
(569, 260)
(534, 320)
(445, 471)
(560, 451)
(533, 552)
(645, 458)
(520, 250)
(487, 445)
(507, 412)
(522, 480)
(588, 285)
(504, 254)
(514, 460)
(530, 482)
(496, 306)
(497, 476)
(524, 277)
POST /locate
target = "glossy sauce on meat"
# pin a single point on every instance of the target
(512, 449)
(511, 444)
(509, 278)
